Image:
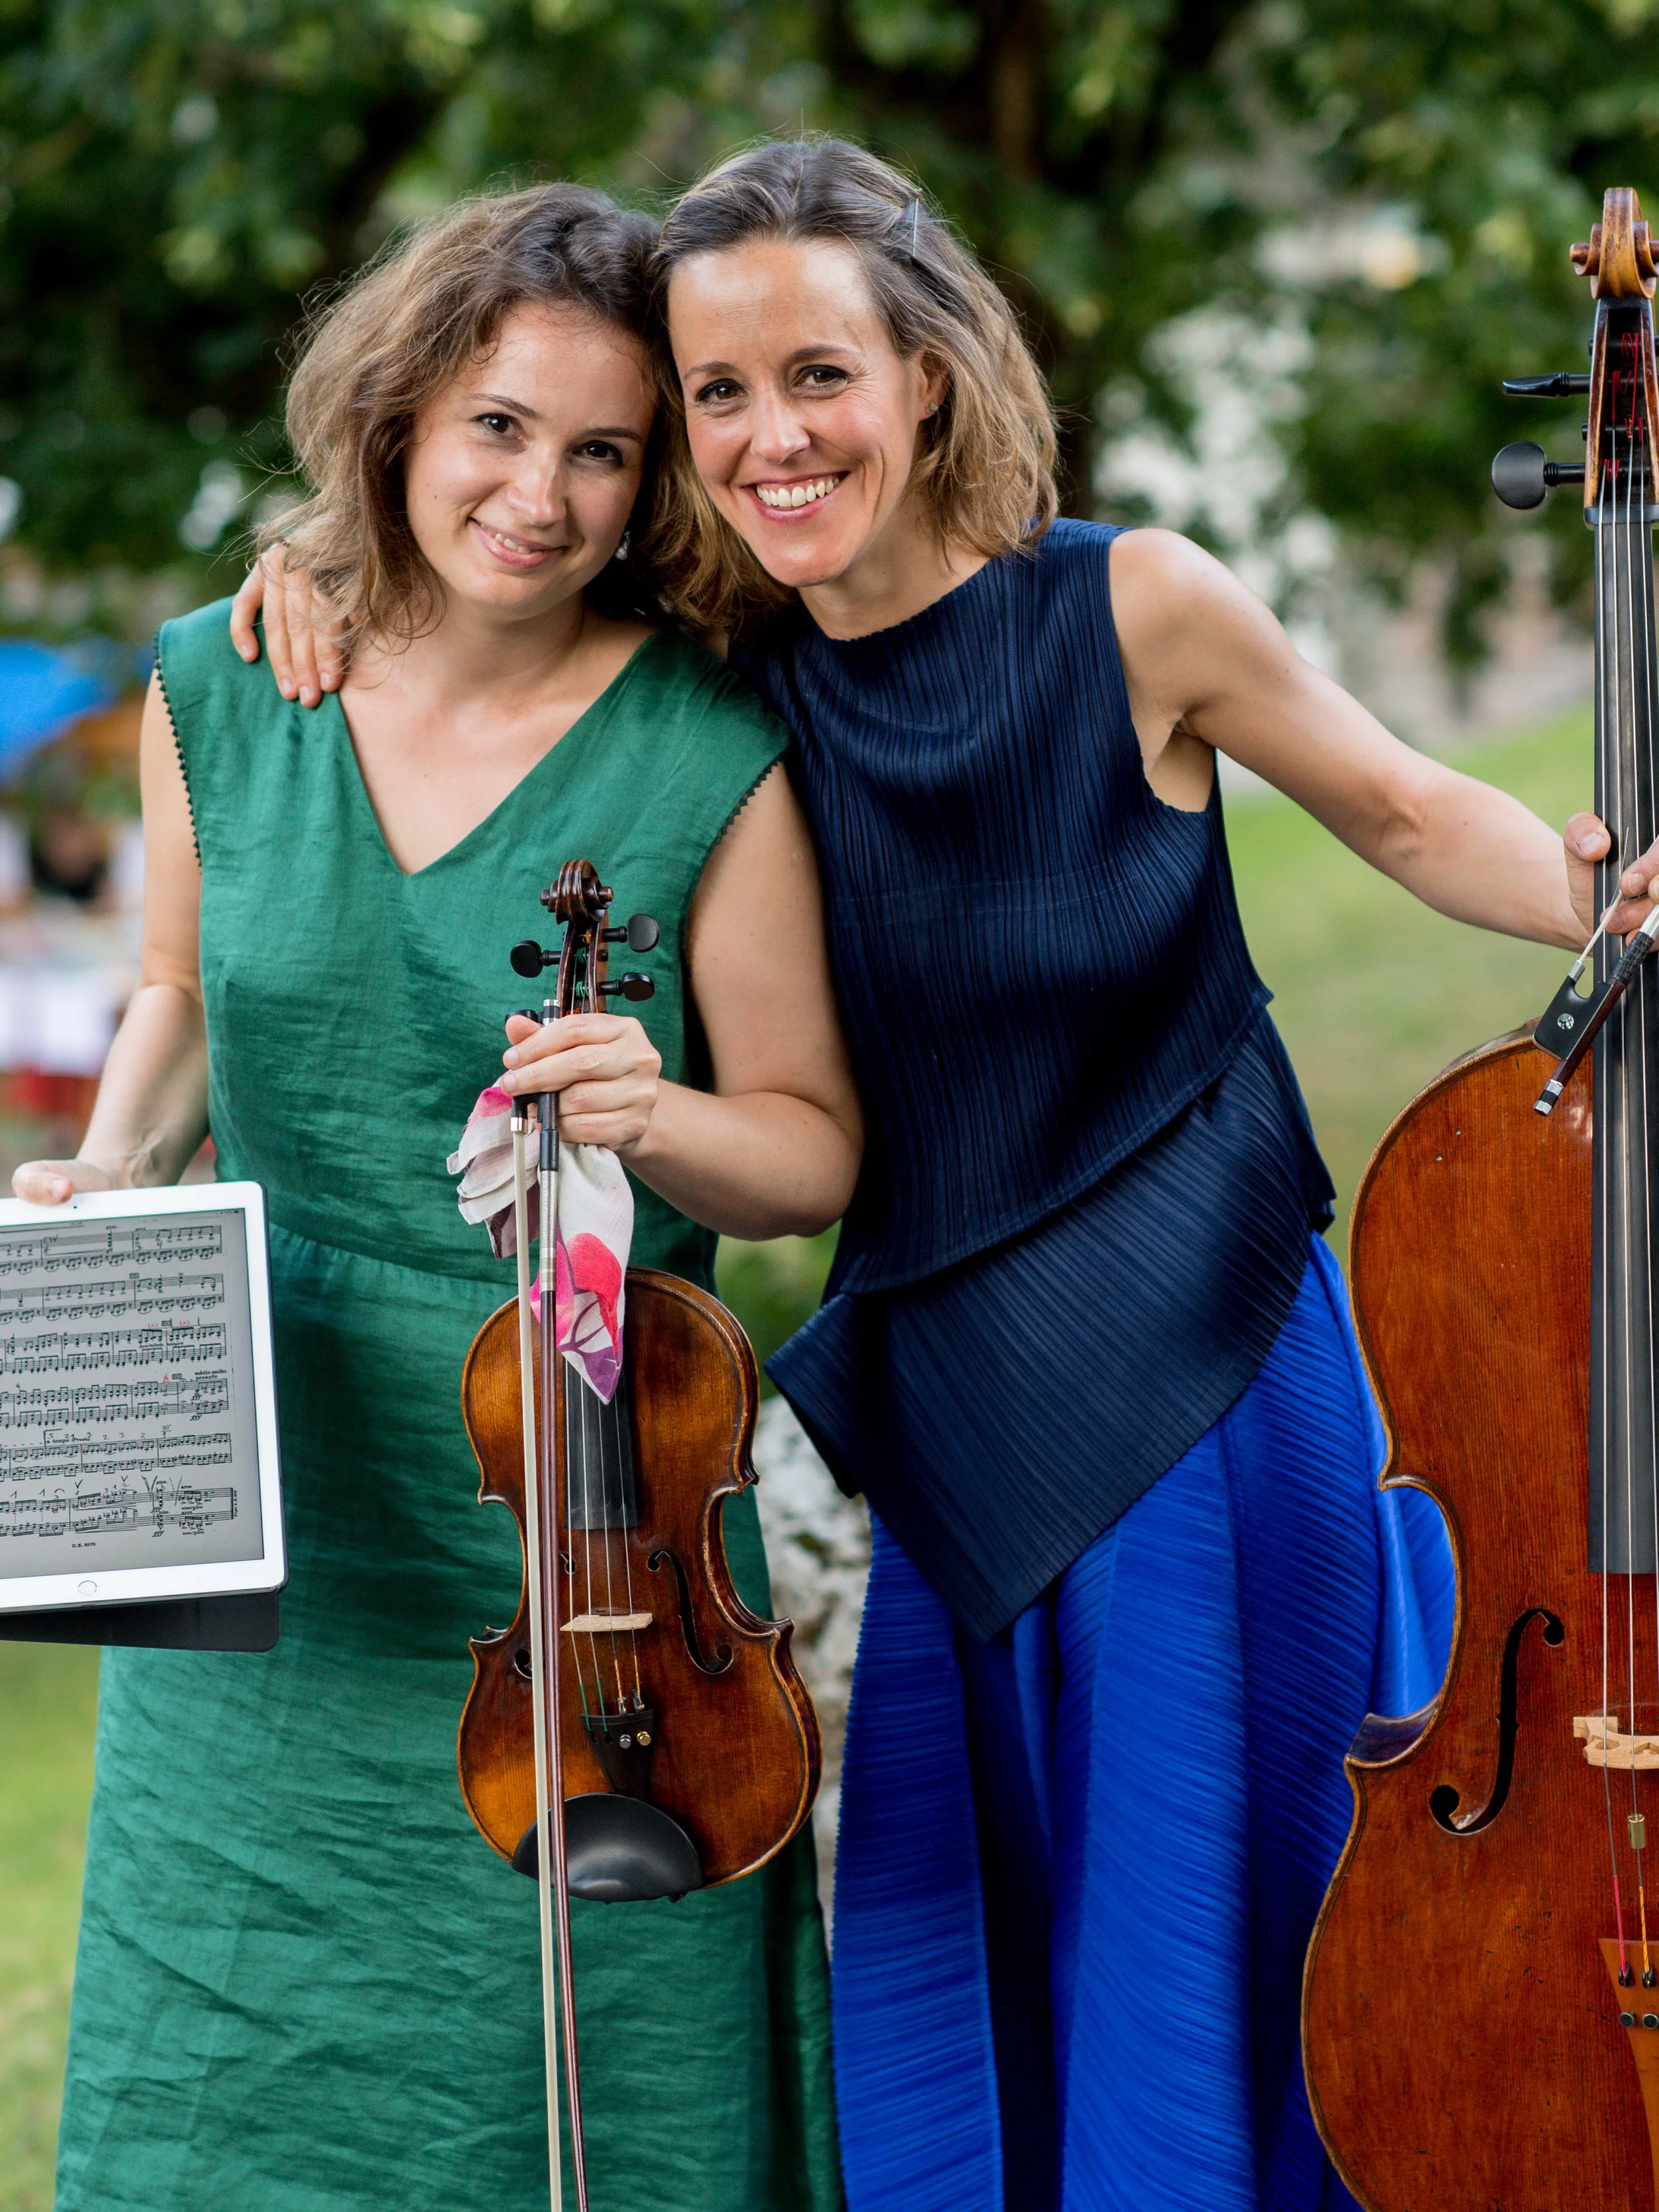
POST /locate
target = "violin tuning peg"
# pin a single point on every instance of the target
(528, 959)
(633, 985)
(640, 936)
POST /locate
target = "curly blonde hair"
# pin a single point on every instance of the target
(376, 353)
(986, 474)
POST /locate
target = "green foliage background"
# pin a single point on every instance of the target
(175, 174)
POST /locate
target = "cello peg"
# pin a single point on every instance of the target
(528, 959)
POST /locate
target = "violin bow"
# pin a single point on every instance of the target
(541, 1490)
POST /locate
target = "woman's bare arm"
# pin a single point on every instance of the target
(773, 1149)
(1209, 667)
(151, 1111)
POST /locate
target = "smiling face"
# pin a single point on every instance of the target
(522, 473)
(803, 420)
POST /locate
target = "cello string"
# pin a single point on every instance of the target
(1641, 564)
(1608, 764)
(1630, 826)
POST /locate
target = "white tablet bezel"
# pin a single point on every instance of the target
(134, 1585)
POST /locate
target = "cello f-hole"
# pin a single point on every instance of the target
(1444, 1801)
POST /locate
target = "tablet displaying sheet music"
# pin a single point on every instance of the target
(138, 1454)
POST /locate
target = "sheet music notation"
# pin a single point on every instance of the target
(127, 1403)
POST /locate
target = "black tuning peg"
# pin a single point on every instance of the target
(633, 985)
(1562, 383)
(1520, 475)
(528, 959)
(640, 936)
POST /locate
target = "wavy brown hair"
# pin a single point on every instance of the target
(374, 353)
(986, 472)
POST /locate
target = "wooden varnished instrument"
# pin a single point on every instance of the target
(1481, 2000)
(731, 1753)
(637, 1732)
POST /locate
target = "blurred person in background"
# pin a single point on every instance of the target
(303, 1978)
(1083, 1348)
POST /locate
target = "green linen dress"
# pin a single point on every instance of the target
(304, 1983)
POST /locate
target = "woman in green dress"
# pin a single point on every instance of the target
(305, 1984)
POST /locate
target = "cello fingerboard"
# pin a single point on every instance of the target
(1624, 1471)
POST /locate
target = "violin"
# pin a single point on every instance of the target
(635, 1700)
(1482, 1998)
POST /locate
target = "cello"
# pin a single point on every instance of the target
(636, 1731)
(1481, 2002)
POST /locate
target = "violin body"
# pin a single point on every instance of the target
(736, 1755)
(1461, 2022)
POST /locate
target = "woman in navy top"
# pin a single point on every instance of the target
(1134, 1585)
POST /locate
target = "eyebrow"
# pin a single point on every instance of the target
(801, 352)
(511, 406)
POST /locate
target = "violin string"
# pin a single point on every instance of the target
(624, 1461)
(615, 1519)
(585, 999)
(606, 1516)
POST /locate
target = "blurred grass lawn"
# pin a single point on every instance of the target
(1374, 994)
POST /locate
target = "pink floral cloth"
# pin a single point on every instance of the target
(595, 1231)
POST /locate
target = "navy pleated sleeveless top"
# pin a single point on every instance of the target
(1089, 1178)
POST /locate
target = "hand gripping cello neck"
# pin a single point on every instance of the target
(1481, 1999)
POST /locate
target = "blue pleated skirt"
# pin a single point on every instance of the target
(1080, 1864)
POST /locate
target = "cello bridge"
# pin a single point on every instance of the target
(607, 1623)
(1605, 1744)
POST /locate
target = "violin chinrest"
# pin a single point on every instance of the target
(619, 1850)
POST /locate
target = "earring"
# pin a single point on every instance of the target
(620, 553)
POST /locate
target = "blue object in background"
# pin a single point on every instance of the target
(43, 689)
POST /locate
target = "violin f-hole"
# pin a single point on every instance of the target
(723, 1656)
(1444, 1801)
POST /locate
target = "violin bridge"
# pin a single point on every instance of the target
(1606, 1746)
(610, 1623)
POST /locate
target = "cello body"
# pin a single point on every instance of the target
(1459, 2020)
(1480, 2003)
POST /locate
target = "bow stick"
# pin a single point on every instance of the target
(541, 1488)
